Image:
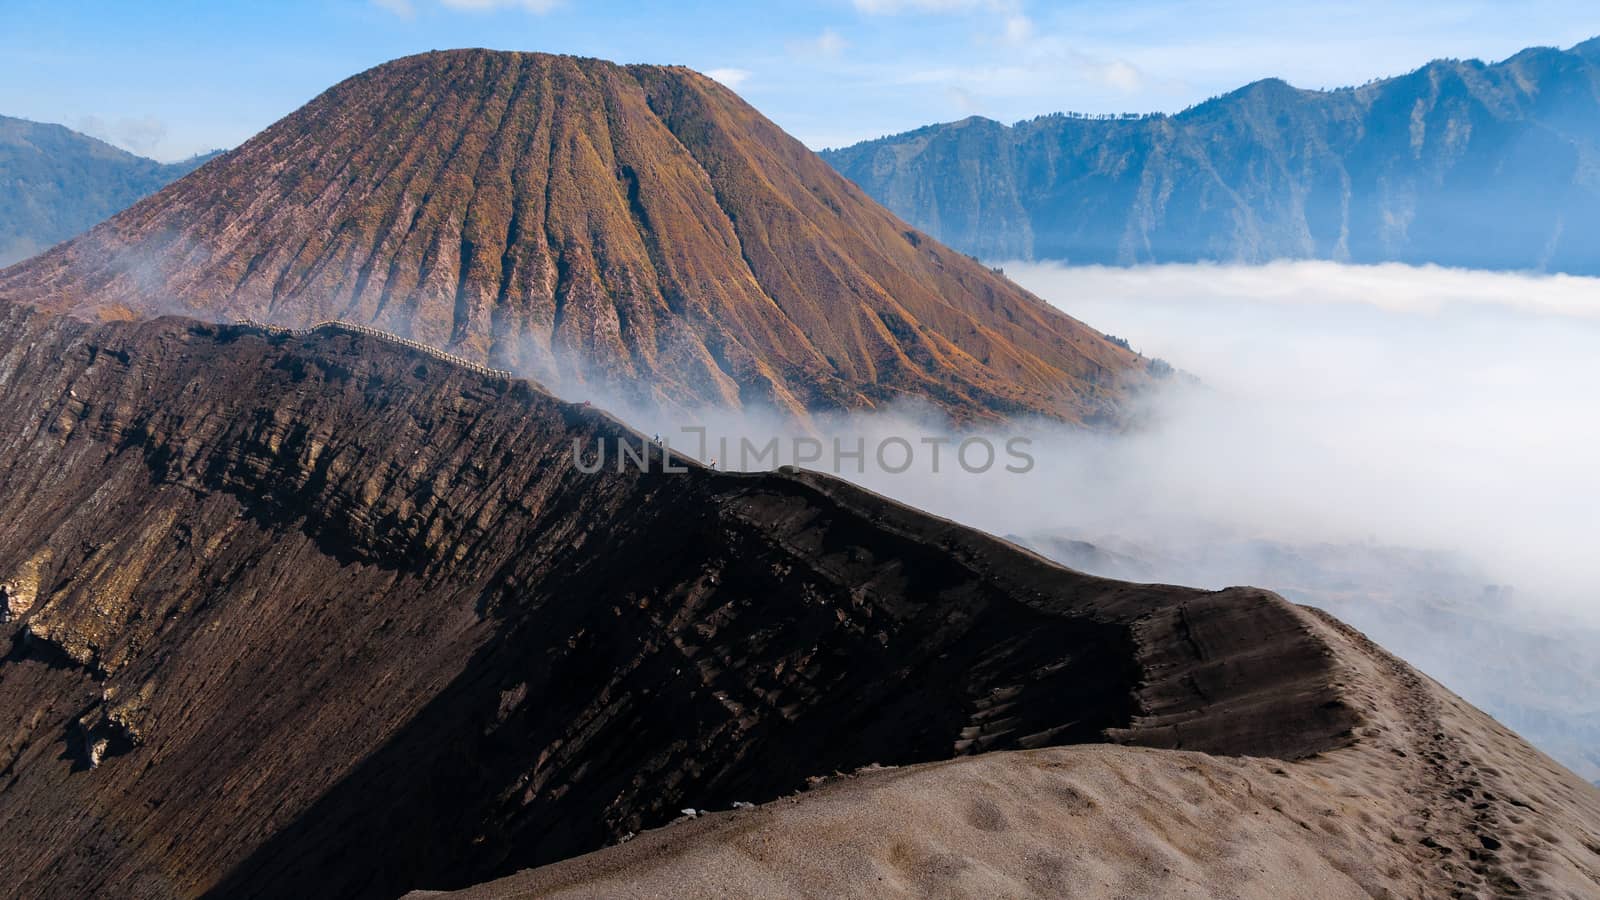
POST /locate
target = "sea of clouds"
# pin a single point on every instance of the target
(1419, 407)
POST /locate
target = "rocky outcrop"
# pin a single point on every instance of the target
(18, 594)
(323, 613)
(596, 227)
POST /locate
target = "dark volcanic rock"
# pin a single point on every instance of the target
(579, 222)
(331, 616)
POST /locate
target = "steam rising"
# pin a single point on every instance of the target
(1422, 408)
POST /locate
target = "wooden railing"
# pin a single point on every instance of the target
(354, 328)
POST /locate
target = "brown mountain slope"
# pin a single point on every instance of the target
(327, 616)
(579, 221)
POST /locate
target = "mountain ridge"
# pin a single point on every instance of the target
(253, 583)
(55, 183)
(1457, 163)
(1432, 793)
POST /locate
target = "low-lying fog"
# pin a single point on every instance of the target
(1420, 407)
(1412, 448)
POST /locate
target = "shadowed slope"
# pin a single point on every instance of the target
(324, 614)
(1432, 799)
(578, 221)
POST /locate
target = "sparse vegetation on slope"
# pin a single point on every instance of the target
(634, 228)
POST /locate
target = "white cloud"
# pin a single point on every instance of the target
(729, 76)
(142, 135)
(1393, 287)
(964, 101)
(829, 43)
(1122, 75)
(1018, 29)
(1044, 70)
(1013, 26)
(401, 8)
(1415, 406)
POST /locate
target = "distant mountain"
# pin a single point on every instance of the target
(1459, 163)
(56, 183)
(632, 228)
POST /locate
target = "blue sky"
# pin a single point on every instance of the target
(169, 78)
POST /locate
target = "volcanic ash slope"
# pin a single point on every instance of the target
(1431, 798)
(633, 229)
